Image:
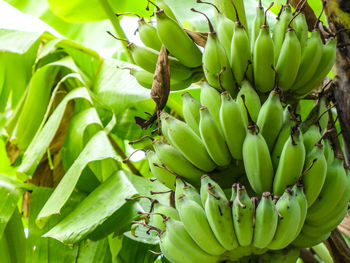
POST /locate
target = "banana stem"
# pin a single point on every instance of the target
(116, 25)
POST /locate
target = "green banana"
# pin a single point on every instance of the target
(252, 101)
(229, 10)
(322, 113)
(184, 188)
(314, 178)
(189, 144)
(281, 140)
(205, 179)
(211, 99)
(303, 205)
(288, 208)
(256, 25)
(288, 62)
(310, 60)
(224, 28)
(328, 151)
(164, 127)
(279, 33)
(306, 241)
(256, 158)
(146, 58)
(195, 222)
(311, 137)
(213, 139)
(266, 220)
(242, 213)
(172, 253)
(148, 35)
(301, 28)
(218, 212)
(263, 58)
(291, 163)
(270, 118)
(179, 44)
(167, 9)
(160, 174)
(216, 65)
(177, 163)
(240, 52)
(325, 65)
(177, 235)
(145, 79)
(233, 125)
(159, 210)
(190, 110)
(329, 222)
(334, 186)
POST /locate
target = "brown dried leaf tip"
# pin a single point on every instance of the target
(160, 88)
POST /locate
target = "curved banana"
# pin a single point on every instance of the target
(195, 222)
(167, 9)
(218, 212)
(303, 205)
(270, 118)
(176, 233)
(311, 137)
(233, 125)
(279, 33)
(325, 65)
(288, 62)
(216, 66)
(240, 52)
(165, 177)
(184, 188)
(224, 30)
(256, 25)
(148, 35)
(301, 28)
(291, 163)
(263, 58)
(266, 220)
(306, 241)
(176, 162)
(211, 99)
(332, 190)
(257, 161)
(252, 100)
(160, 209)
(205, 180)
(213, 139)
(310, 60)
(190, 110)
(280, 141)
(179, 44)
(314, 178)
(288, 208)
(146, 58)
(189, 144)
(230, 11)
(242, 213)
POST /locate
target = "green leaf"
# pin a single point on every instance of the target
(39, 89)
(136, 252)
(105, 205)
(10, 193)
(44, 136)
(16, 48)
(91, 10)
(93, 252)
(98, 148)
(15, 238)
(128, 93)
(40, 249)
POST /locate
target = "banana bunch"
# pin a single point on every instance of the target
(208, 226)
(286, 57)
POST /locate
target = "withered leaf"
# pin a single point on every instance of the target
(160, 88)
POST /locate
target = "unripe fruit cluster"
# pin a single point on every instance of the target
(289, 190)
(264, 148)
